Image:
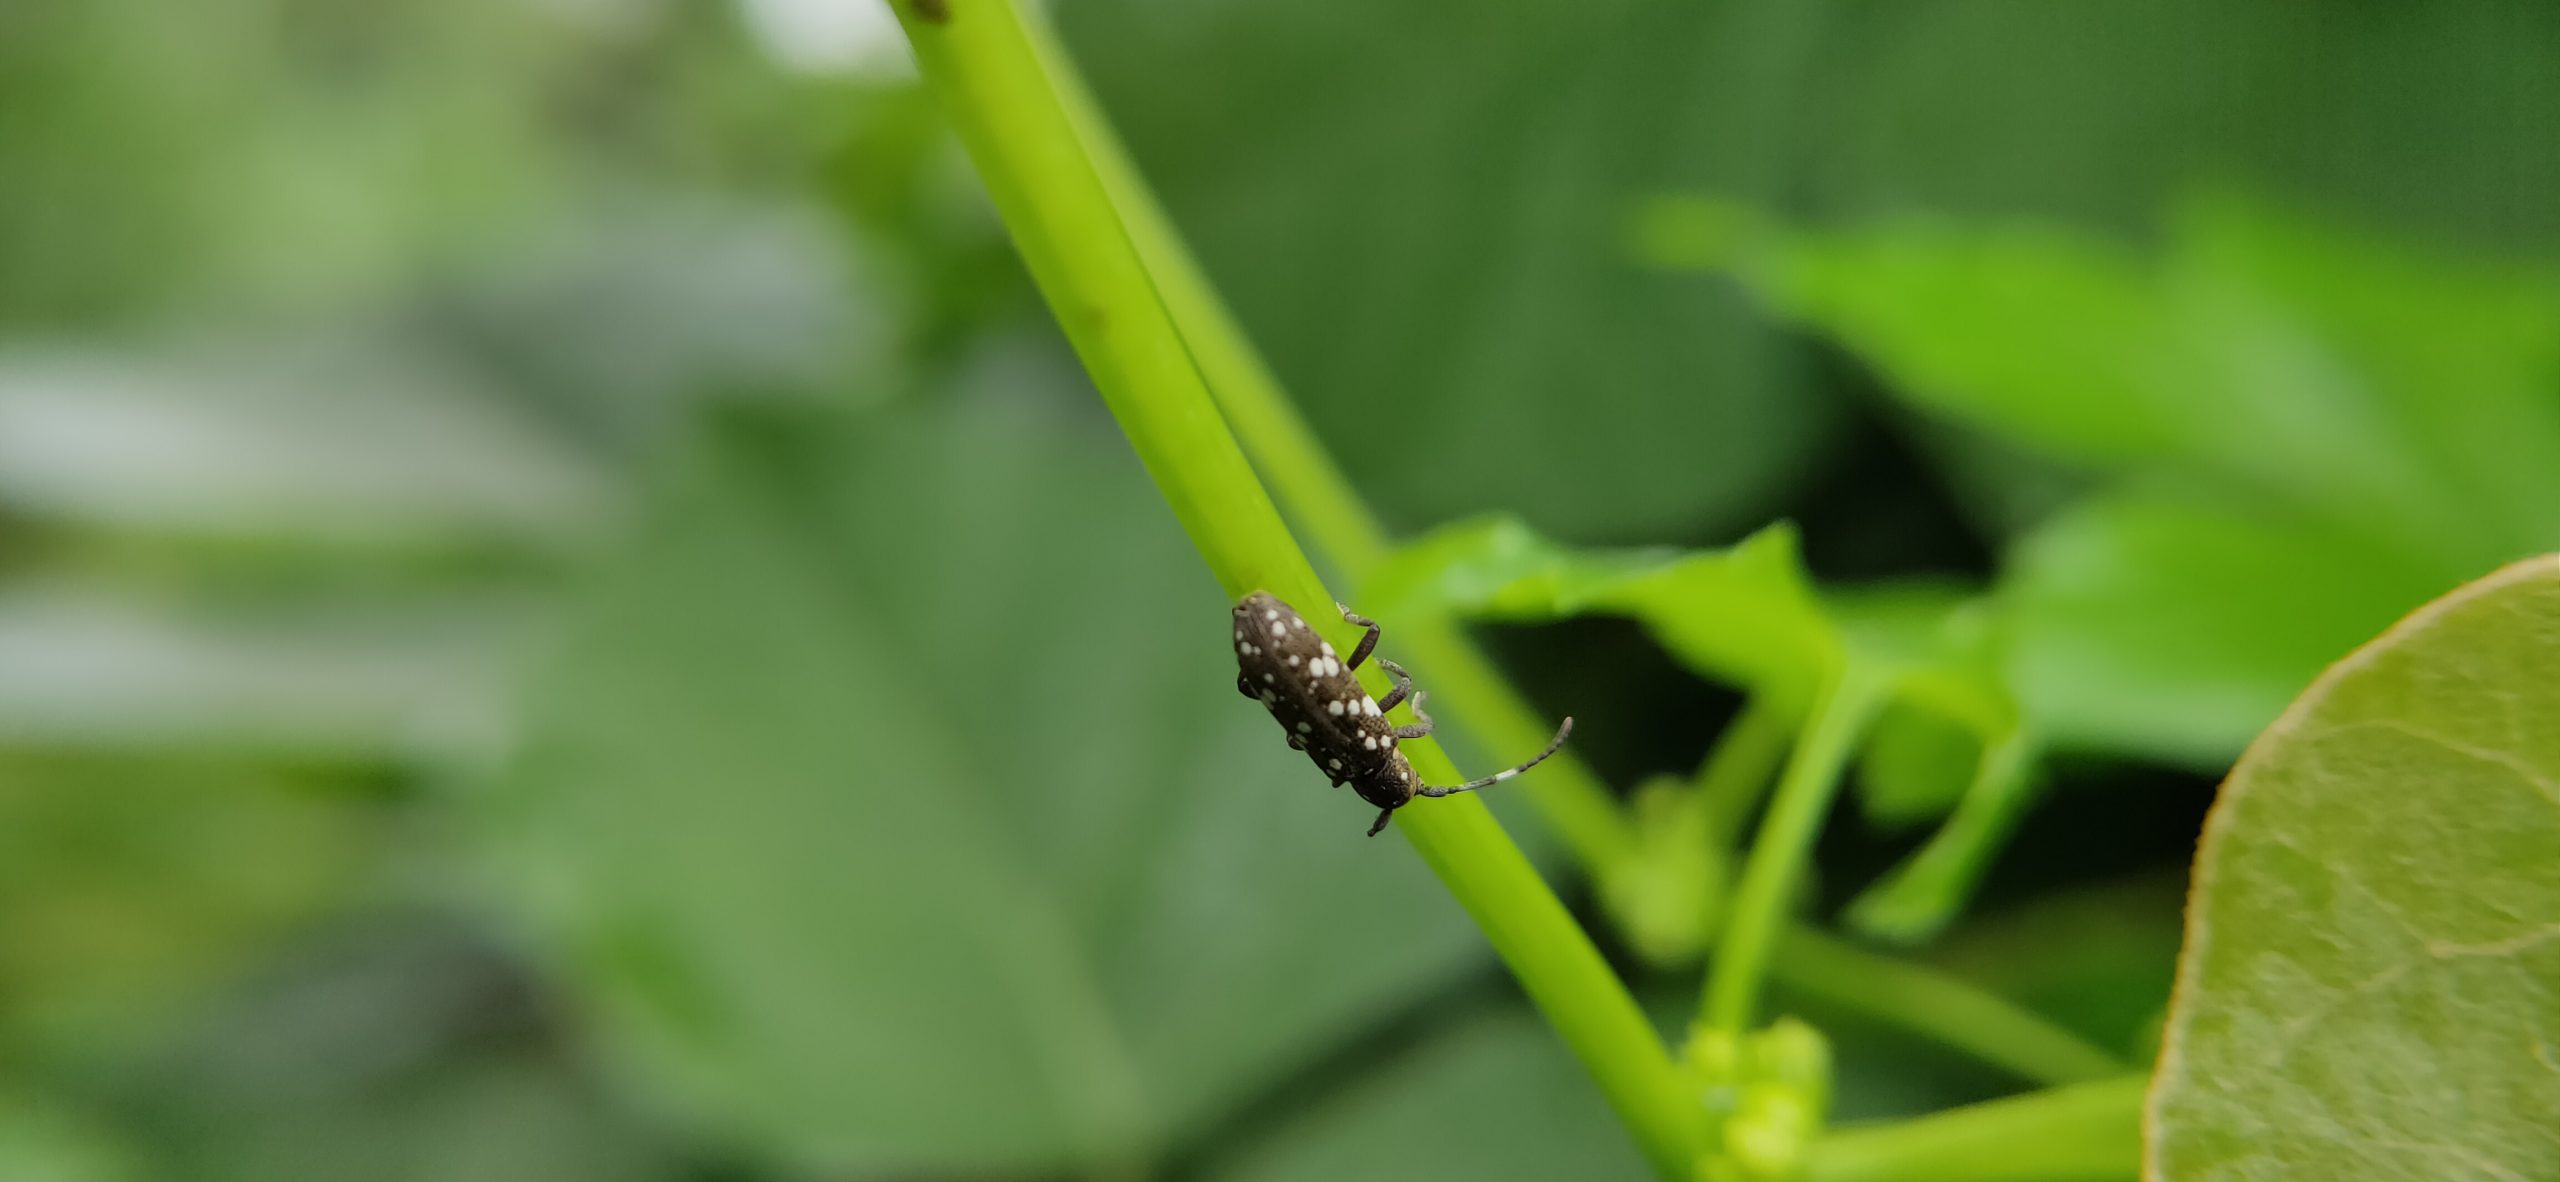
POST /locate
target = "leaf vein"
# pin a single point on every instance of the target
(2530, 774)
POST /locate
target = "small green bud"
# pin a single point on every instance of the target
(1793, 1053)
(1767, 1135)
(1713, 1062)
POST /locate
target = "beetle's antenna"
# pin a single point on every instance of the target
(1498, 777)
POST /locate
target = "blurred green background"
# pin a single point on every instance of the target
(565, 614)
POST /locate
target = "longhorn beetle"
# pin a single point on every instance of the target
(1296, 675)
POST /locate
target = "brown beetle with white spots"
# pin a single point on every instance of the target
(1309, 690)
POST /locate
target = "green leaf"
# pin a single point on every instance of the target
(1491, 1099)
(1915, 766)
(351, 443)
(1749, 616)
(125, 890)
(2175, 629)
(2348, 425)
(47, 1142)
(1745, 615)
(2273, 357)
(87, 664)
(894, 809)
(2371, 981)
(1991, 325)
(1449, 271)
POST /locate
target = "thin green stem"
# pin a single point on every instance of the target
(1964, 1016)
(1840, 711)
(1573, 801)
(984, 62)
(1737, 773)
(2089, 1132)
(1920, 897)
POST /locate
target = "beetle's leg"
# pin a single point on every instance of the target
(1498, 777)
(1404, 685)
(1421, 724)
(1360, 652)
(1384, 815)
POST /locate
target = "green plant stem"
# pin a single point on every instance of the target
(1569, 796)
(1920, 897)
(1983, 1024)
(2089, 1132)
(1738, 771)
(1839, 712)
(983, 62)
(1302, 472)
(1573, 801)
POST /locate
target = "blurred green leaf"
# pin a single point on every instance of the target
(91, 665)
(890, 814)
(2281, 359)
(302, 441)
(240, 153)
(2097, 959)
(1915, 766)
(2432, 117)
(2310, 430)
(45, 1142)
(394, 1043)
(2174, 628)
(1493, 1098)
(2367, 986)
(502, 1118)
(127, 883)
(1430, 254)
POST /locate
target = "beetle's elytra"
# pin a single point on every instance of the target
(1309, 690)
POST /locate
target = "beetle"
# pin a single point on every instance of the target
(1309, 690)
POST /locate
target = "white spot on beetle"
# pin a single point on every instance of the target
(1271, 614)
(1280, 631)
(1269, 678)
(1305, 727)
(1328, 650)
(1369, 742)
(1333, 708)
(1335, 764)
(1371, 706)
(1293, 660)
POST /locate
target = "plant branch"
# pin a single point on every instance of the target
(1921, 896)
(2089, 1132)
(1983, 1024)
(1736, 773)
(984, 63)
(1840, 711)
(1319, 496)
